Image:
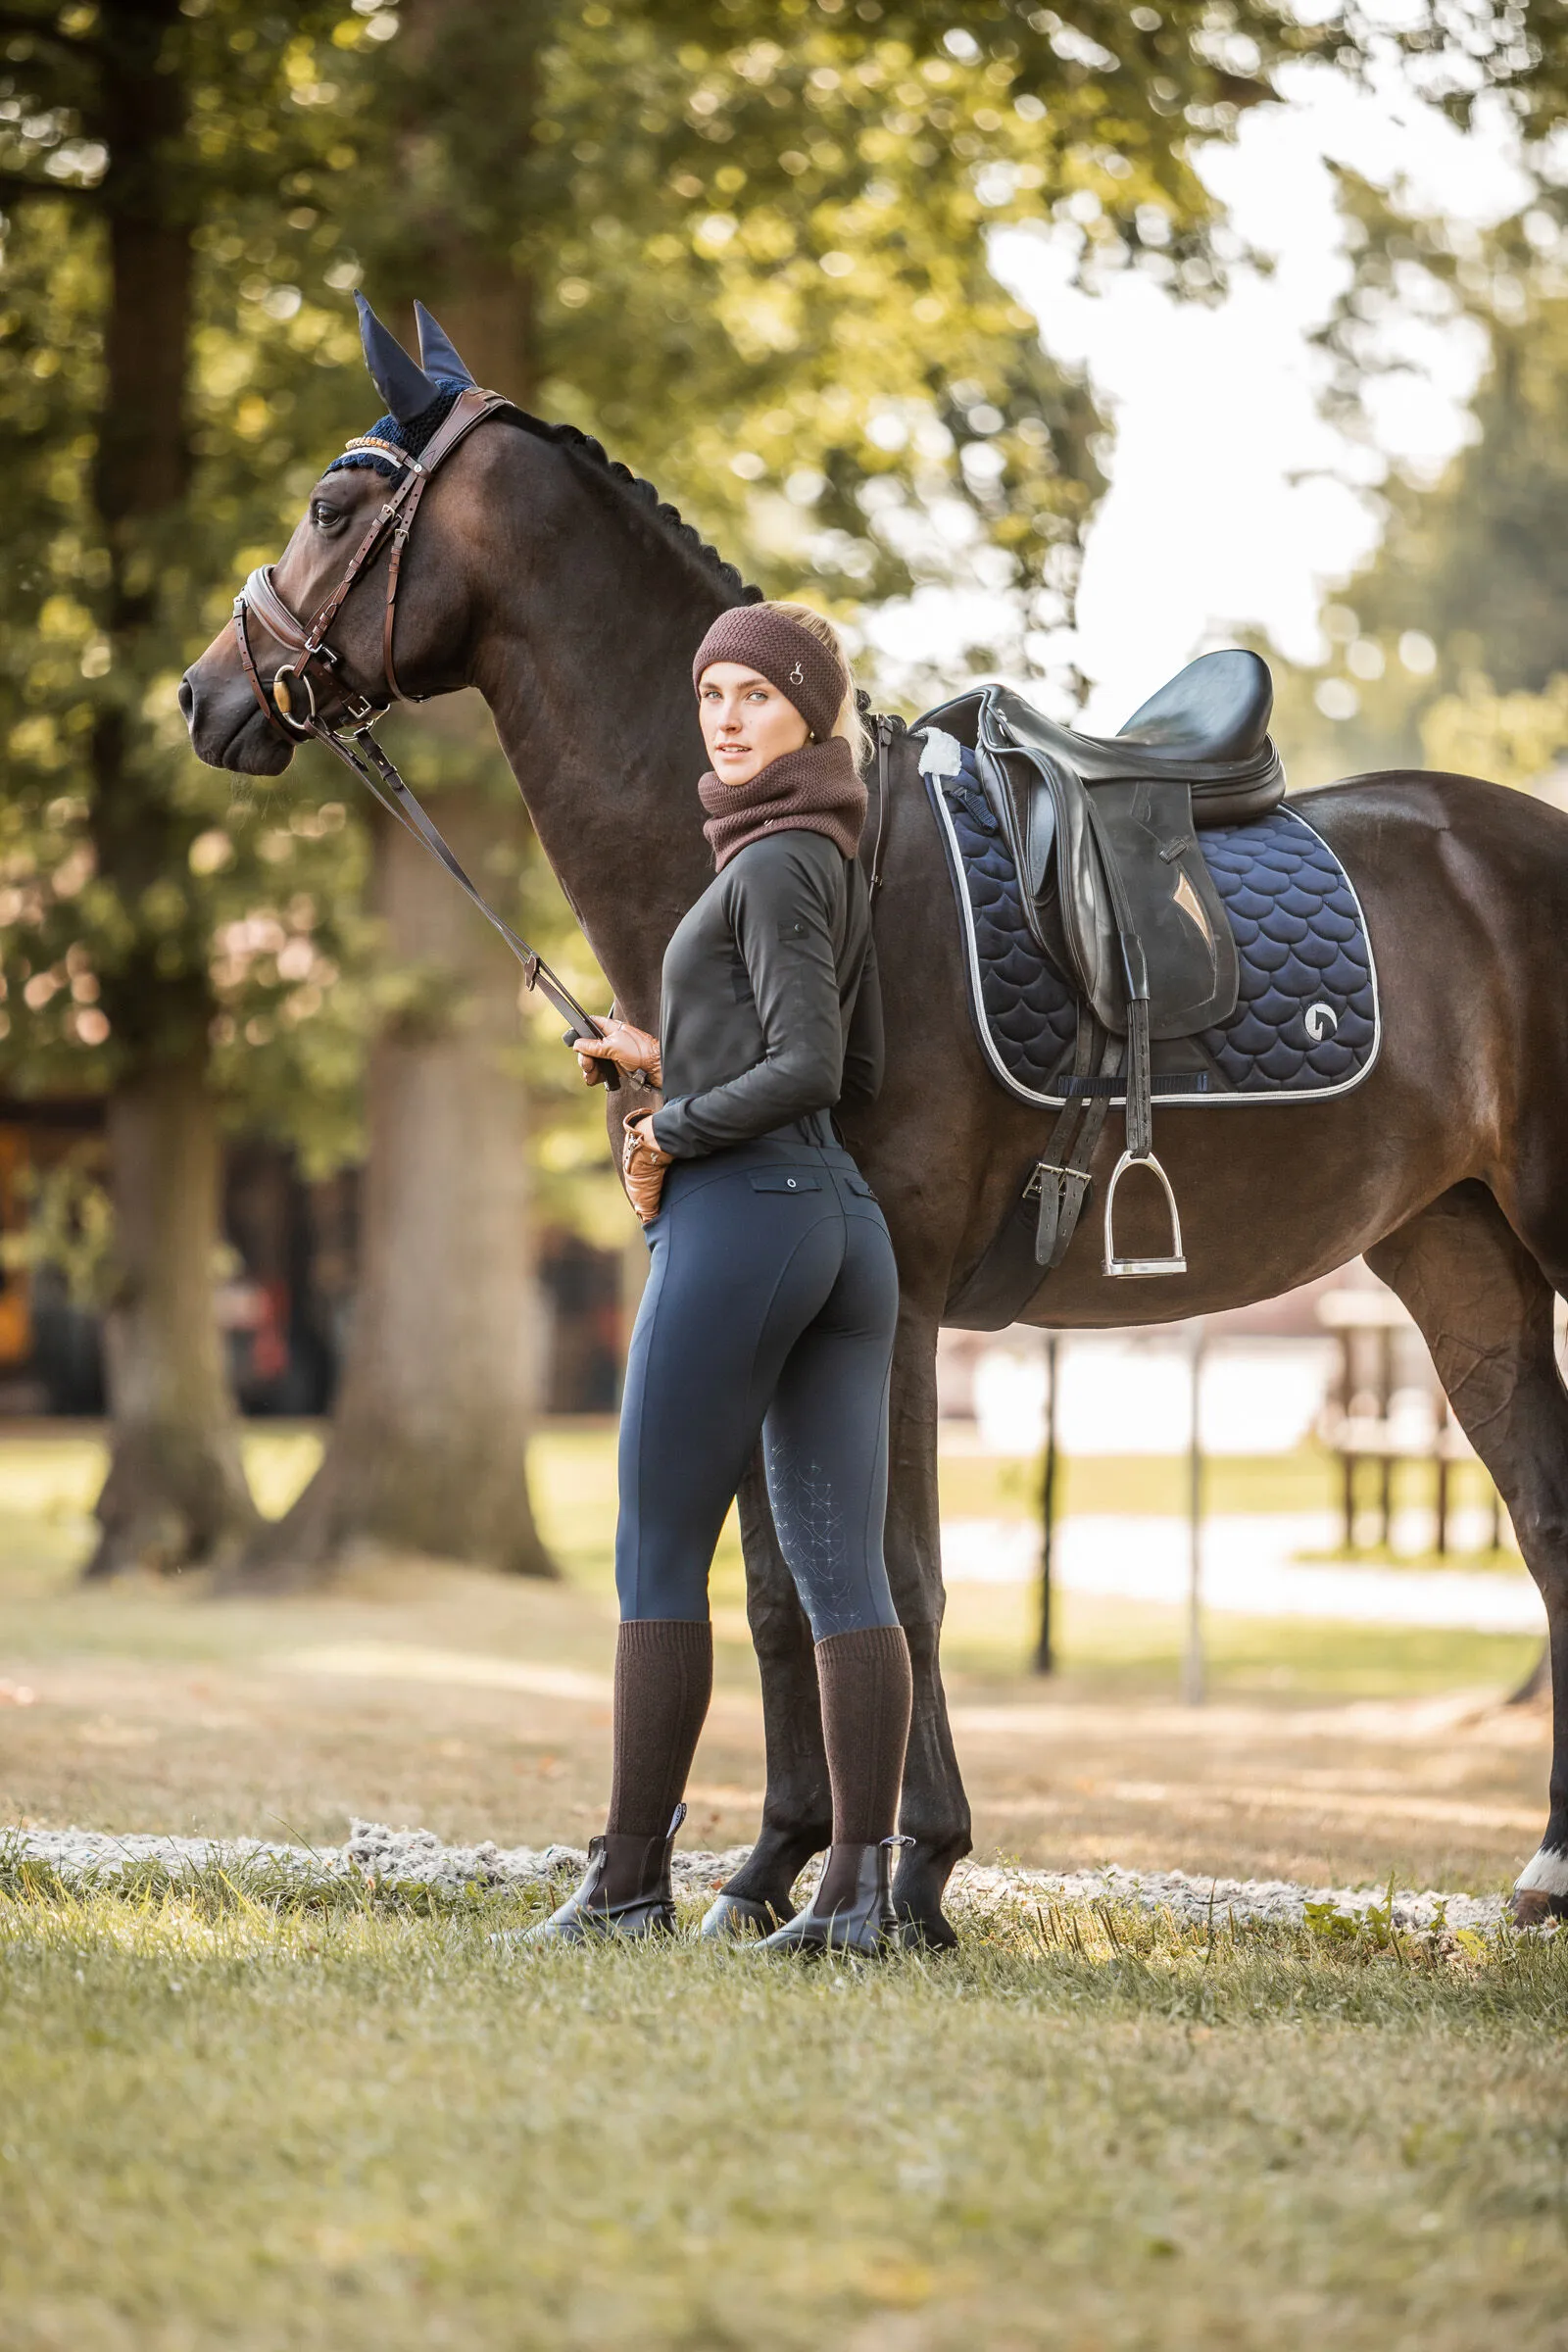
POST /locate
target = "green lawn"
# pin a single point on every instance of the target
(235, 2122)
(47, 1482)
(231, 2125)
(54, 1474)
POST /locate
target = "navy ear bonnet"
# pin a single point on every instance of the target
(418, 393)
(412, 436)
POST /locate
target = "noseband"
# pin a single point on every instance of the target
(305, 646)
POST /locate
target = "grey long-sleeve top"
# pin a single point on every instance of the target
(771, 1016)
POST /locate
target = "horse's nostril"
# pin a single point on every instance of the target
(187, 700)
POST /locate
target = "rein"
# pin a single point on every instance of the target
(305, 645)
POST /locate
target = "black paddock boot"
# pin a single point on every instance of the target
(862, 1918)
(625, 1891)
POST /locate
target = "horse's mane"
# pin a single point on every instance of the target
(688, 541)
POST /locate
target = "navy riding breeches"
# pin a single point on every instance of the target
(771, 1306)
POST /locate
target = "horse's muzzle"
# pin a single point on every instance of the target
(226, 728)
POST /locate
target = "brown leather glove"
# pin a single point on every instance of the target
(630, 1049)
(642, 1166)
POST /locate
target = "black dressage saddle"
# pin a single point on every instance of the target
(1103, 834)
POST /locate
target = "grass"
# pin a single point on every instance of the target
(52, 1474)
(239, 2114)
(231, 2122)
(47, 1483)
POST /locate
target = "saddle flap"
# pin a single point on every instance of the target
(1043, 810)
(1176, 911)
(1023, 795)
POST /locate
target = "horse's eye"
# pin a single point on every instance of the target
(326, 517)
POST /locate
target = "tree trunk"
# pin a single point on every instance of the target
(427, 1452)
(175, 1493)
(427, 1448)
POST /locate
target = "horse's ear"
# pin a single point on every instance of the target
(405, 387)
(438, 355)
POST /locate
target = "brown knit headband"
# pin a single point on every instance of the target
(806, 671)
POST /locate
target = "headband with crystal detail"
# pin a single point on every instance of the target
(808, 673)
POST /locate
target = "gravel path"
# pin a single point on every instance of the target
(418, 1857)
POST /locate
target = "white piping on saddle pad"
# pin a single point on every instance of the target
(941, 756)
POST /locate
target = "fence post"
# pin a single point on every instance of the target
(1193, 1657)
(1045, 1648)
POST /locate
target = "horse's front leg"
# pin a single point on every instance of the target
(797, 1808)
(935, 1811)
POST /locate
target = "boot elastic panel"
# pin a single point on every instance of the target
(865, 1926)
(625, 1891)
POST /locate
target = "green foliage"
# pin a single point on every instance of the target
(750, 242)
(145, 905)
(744, 242)
(69, 1226)
(1446, 648)
(1370, 1928)
(1513, 738)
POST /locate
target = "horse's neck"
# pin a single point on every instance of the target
(590, 688)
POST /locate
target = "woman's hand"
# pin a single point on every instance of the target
(630, 1049)
(643, 1164)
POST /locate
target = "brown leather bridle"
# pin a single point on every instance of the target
(305, 646)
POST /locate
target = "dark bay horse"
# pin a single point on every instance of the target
(546, 578)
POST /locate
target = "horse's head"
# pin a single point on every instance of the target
(239, 712)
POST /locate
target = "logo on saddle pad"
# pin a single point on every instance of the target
(1321, 1022)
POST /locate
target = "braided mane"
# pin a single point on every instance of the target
(386, 435)
(687, 538)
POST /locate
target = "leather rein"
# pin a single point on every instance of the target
(305, 646)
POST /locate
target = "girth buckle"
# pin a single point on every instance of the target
(1038, 1174)
(1110, 1263)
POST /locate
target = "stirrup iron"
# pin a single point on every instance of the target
(1110, 1263)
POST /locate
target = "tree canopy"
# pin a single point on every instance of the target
(745, 244)
(1446, 648)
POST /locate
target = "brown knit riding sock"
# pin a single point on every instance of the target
(664, 1680)
(867, 1692)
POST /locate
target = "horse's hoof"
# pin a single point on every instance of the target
(734, 1917)
(1532, 1908)
(930, 1932)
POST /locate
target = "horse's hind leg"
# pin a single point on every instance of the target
(797, 1807)
(934, 1813)
(1485, 1309)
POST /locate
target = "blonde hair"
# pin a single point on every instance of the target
(849, 724)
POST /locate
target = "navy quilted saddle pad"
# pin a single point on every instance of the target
(1306, 1021)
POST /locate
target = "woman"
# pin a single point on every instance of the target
(772, 1294)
